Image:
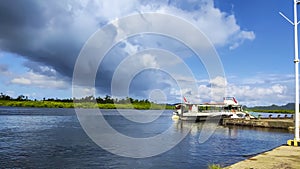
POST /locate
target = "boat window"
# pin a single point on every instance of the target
(240, 115)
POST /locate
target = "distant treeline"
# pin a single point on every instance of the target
(87, 102)
(287, 109)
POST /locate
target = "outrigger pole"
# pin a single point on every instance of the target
(296, 61)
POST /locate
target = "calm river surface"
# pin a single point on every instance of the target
(54, 138)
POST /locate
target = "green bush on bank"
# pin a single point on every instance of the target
(57, 104)
(41, 104)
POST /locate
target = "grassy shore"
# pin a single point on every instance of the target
(57, 104)
(141, 106)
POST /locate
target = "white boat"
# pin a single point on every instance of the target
(198, 112)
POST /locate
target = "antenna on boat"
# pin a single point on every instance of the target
(296, 61)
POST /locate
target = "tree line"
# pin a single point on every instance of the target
(105, 100)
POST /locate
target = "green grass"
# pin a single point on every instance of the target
(45, 104)
(214, 166)
(57, 104)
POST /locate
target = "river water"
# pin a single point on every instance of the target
(54, 138)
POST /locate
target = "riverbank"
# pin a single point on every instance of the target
(285, 157)
(57, 104)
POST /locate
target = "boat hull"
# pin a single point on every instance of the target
(198, 118)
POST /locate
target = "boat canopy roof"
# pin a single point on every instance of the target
(209, 105)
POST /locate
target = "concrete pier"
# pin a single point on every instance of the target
(283, 157)
(283, 123)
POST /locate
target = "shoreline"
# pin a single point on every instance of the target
(57, 104)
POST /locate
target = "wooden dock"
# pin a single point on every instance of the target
(281, 123)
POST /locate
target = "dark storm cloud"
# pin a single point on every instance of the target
(51, 33)
(18, 14)
(42, 32)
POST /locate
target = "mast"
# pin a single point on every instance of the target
(296, 61)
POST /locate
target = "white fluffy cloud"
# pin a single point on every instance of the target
(262, 95)
(270, 92)
(275, 92)
(39, 80)
(220, 27)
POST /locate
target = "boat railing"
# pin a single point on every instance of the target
(210, 111)
(219, 110)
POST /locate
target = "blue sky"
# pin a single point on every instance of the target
(41, 40)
